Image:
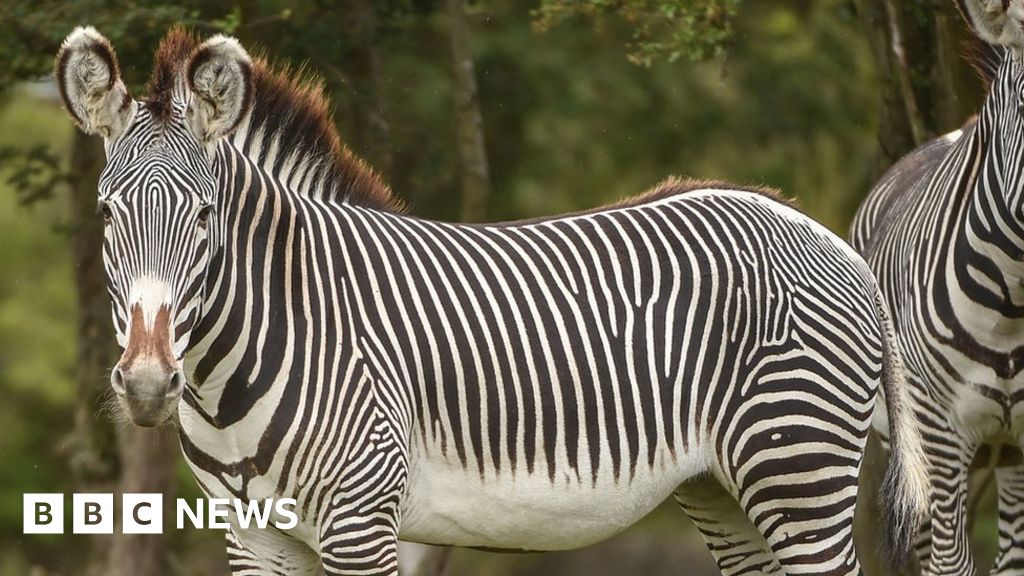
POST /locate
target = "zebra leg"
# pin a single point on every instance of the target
(366, 545)
(360, 536)
(268, 552)
(950, 551)
(1010, 560)
(733, 540)
(924, 546)
(809, 534)
(942, 546)
(359, 526)
(801, 495)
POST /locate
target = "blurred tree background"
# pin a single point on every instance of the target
(485, 110)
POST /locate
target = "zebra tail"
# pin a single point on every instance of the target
(906, 488)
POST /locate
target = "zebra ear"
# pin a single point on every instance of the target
(220, 77)
(999, 22)
(90, 84)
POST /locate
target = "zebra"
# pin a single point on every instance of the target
(530, 385)
(943, 231)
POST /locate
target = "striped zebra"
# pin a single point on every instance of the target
(944, 233)
(534, 385)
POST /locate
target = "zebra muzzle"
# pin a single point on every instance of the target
(148, 379)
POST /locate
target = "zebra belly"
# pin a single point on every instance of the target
(449, 505)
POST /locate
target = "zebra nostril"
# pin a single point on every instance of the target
(176, 384)
(117, 381)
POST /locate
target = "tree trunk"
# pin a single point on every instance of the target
(947, 88)
(926, 87)
(962, 92)
(468, 119)
(371, 131)
(148, 459)
(895, 135)
(92, 449)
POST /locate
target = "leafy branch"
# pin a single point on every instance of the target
(670, 29)
(34, 172)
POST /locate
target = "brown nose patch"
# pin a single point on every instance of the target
(152, 345)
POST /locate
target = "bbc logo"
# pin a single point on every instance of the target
(143, 513)
(92, 514)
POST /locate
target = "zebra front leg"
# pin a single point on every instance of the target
(267, 552)
(360, 536)
(950, 551)
(733, 540)
(1010, 482)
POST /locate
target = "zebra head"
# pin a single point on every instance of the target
(999, 24)
(157, 196)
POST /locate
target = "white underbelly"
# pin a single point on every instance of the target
(449, 505)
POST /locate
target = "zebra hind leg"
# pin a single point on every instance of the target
(733, 540)
(269, 553)
(799, 488)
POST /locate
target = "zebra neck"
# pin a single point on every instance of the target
(991, 232)
(980, 277)
(253, 339)
(274, 340)
(994, 222)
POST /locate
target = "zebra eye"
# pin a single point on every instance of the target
(104, 209)
(204, 214)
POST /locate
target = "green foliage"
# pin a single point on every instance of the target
(37, 330)
(36, 28)
(230, 22)
(34, 171)
(662, 29)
